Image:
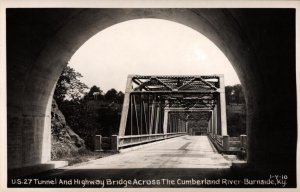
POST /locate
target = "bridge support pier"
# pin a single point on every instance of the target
(115, 142)
(226, 142)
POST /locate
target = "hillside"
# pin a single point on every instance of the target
(65, 142)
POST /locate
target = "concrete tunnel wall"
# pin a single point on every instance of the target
(260, 44)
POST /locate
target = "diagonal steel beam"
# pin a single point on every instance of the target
(162, 83)
(187, 83)
(207, 83)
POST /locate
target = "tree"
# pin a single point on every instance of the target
(235, 94)
(109, 117)
(111, 95)
(120, 97)
(69, 86)
(95, 93)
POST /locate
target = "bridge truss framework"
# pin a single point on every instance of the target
(150, 104)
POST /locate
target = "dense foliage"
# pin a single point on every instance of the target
(88, 112)
(69, 86)
(236, 110)
(235, 94)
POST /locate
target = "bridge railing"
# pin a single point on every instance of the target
(227, 144)
(130, 140)
(119, 142)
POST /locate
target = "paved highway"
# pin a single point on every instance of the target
(180, 152)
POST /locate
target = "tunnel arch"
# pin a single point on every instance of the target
(69, 41)
(223, 27)
(133, 36)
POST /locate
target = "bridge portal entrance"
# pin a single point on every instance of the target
(159, 107)
(195, 121)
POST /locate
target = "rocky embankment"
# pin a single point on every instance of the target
(65, 142)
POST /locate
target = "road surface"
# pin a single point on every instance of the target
(180, 152)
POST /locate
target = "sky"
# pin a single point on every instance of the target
(148, 47)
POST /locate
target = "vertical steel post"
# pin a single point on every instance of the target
(131, 118)
(145, 116)
(141, 114)
(157, 119)
(152, 116)
(136, 115)
(222, 106)
(125, 108)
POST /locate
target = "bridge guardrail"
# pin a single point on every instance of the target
(227, 144)
(117, 142)
(130, 140)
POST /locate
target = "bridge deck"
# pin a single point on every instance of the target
(181, 152)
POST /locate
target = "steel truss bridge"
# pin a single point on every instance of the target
(158, 107)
